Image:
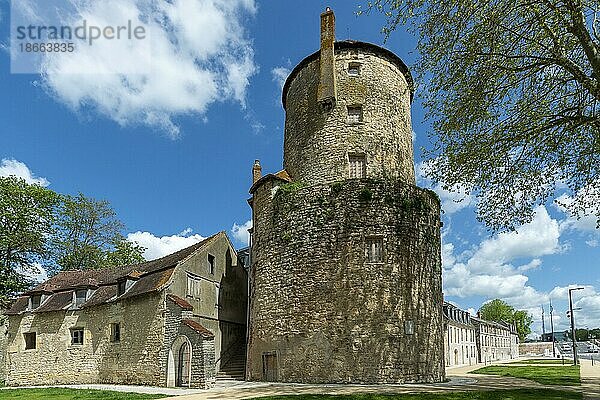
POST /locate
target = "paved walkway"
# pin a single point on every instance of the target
(590, 379)
(460, 380)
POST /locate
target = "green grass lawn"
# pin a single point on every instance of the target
(543, 361)
(546, 375)
(71, 394)
(520, 394)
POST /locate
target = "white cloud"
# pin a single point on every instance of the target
(586, 221)
(280, 75)
(36, 273)
(240, 232)
(10, 167)
(537, 238)
(452, 200)
(157, 247)
(488, 270)
(589, 315)
(200, 54)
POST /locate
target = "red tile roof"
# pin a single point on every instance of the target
(153, 275)
(198, 328)
(180, 302)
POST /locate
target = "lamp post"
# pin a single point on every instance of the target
(573, 323)
(552, 327)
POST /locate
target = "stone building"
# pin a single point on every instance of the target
(3, 344)
(460, 346)
(346, 269)
(495, 341)
(174, 321)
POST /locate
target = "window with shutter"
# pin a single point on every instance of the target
(357, 166)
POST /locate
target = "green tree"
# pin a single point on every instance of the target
(27, 215)
(88, 236)
(125, 253)
(523, 320)
(512, 89)
(500, 311)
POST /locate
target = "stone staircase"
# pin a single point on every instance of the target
(235, 368)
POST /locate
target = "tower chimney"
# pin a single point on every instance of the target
(326, 93)
(256, 171)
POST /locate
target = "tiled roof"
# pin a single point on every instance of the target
(151, 276)
(180, 302)
(198, 328)
(56, 302)
(281, 175)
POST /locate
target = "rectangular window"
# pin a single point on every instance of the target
(357, 165)
(193, 287)
(36, 300)
(374, 250)
(211, 264)
(80, 297)
(77, 336)
(217, 295)
(354, 69)
(115, 332)
(355, 114)
(409, 327)
(30, 340)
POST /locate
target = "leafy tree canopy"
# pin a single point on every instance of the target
(500, 311)
(27, 214)
(512, 89)
(88, 236)
(41, 227)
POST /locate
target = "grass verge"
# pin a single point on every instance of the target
(71, 394)
(556, 361)
(546, 375)
(519, 394)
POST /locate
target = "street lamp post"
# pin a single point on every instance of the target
(573, 324)
(552, 327)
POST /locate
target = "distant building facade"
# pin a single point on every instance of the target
(460, 345)
(175, 321)
(496, 341)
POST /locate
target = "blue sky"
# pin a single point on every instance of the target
(175, 159)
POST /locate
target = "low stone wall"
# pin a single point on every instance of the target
(535, 349)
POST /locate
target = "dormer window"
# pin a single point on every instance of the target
(35, 300)
(80, 297)
(121, 287)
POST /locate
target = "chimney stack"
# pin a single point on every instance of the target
(326, 93)
(256, 171)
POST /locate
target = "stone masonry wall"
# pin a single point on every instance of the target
(317, 143)
(133, 360)
(329, 315)
(3, 344)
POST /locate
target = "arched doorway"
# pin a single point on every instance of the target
(179, 363)
(182, 375)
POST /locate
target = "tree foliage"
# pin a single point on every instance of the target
(88, 236)
(500, 311)
(27, 214)
(39, 227)
(512, 89)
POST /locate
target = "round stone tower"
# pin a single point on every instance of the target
(345, 255)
